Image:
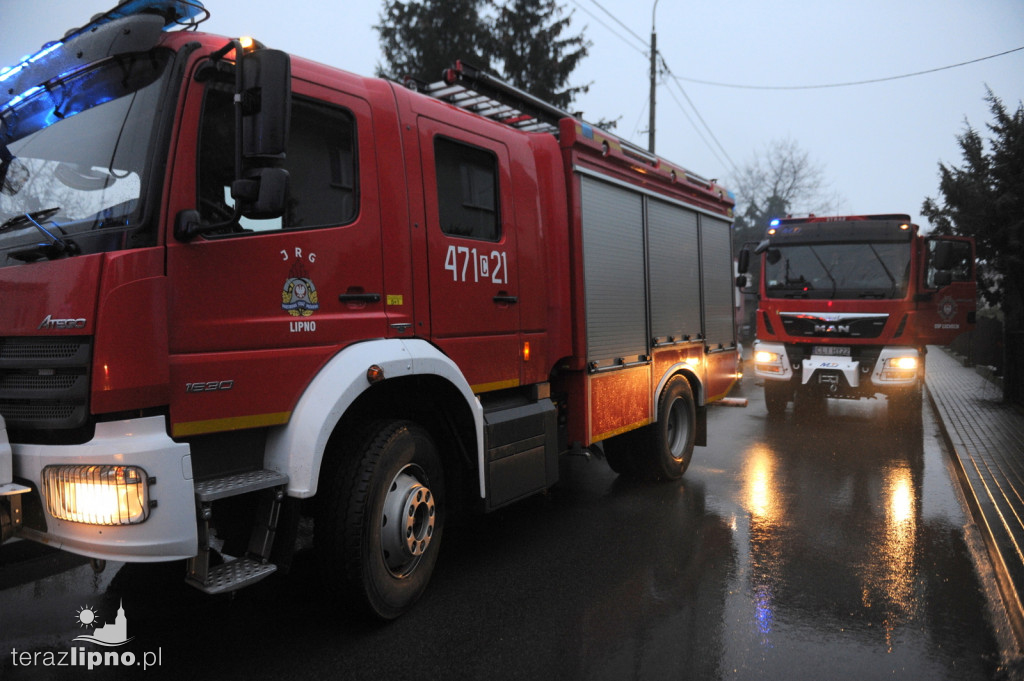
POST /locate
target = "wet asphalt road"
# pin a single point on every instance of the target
(793, 549)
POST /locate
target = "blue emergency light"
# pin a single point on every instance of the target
(181, 13)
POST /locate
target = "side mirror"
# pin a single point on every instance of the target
(942, 278)
(743, 266)
(741, 281)
(262, 194)
(266, 103)
(942, 257)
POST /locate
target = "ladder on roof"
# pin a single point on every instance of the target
(469, 88)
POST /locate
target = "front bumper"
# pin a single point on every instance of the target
(168, 533)
(772, 362)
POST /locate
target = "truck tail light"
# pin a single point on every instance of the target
(97, 495)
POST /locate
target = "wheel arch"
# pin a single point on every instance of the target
(421, 384)
(686, 371)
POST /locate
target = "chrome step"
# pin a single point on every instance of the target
(239, 572)
(232, 575)
(237, 483)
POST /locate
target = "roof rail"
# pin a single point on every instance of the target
(470, 88)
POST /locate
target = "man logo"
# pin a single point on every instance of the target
(831, 328)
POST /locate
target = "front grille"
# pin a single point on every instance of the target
(44, 382)
(813, 325)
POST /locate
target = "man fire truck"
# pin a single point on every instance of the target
(239, 284)
(847, 306)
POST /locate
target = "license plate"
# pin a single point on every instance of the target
(831, 350)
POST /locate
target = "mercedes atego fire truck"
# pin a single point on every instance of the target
(238, 284)
(847, 306)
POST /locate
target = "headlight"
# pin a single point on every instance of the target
(763, 357)
(904, 362)
(97, 495)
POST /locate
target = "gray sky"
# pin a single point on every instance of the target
(880, 144)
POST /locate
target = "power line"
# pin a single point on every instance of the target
(696, 129)
(707, 127)
(850, 83)
(612, 30)
(616, 20)
(669, 72)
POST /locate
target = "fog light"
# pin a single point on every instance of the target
(97, 495)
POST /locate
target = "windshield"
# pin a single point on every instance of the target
(837, 270)
(74, 159)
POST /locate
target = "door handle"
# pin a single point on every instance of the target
(506, 299)
(359, 297)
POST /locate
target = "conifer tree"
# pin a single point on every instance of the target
(422, 38)
(535, 56)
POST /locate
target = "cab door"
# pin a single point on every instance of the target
(950, 301)
(471, 253)
(257, 308)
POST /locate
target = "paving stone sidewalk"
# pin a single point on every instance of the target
(986, 437)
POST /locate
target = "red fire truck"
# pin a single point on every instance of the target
(847, 306)
(242, 289)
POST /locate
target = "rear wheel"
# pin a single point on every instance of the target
(675, 432)
(662, 450)
(380, 526)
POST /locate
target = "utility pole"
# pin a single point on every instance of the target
(654, 78)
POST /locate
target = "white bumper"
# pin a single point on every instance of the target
(170, 531)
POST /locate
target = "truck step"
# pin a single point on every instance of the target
(232, 575)
(237, 483)
(254, 565)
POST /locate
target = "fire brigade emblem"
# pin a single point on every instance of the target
(947, 308)
(299, 297)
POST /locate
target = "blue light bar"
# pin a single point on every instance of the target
(174, 12)
(774, 223)
(23, 84)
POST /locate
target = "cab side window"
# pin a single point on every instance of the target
(321, 163)
(467, 190)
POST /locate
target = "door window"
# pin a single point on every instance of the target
(321, 163)
(467, 190)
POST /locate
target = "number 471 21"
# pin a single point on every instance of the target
(467, 264)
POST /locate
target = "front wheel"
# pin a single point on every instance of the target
(776, 396)
(380, 526)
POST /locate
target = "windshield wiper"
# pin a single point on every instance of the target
(24, 219)
(828, 272)
(881, 262)
(56, 248)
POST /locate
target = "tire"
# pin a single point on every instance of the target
(662, 450)
(671, 439)
(621, 453)
(776, 395)
(382, 518)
